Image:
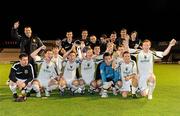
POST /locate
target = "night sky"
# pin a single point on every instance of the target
(154, 19)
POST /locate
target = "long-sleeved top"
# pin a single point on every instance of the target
(108, 73)
(21, 72)
(27, 45)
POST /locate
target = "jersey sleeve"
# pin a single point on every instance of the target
(12, 75)
(54, 71)
(157, 55)
(102, 72)
(116, 76)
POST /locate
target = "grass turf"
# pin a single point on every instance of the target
(165, 101)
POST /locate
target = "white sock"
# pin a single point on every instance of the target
(92, 88)
(47, 88)
(28, 89)
(82, 87)
(134, 89)
(117, 87)
(61, 88)
(13, 89)
(151, 88)
(74, 88)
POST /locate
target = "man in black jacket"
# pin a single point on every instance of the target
(28, 42)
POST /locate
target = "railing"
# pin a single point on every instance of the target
(14, 44)
(8, 44)
(174, 55)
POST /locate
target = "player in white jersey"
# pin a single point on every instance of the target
(118, 55)
(95, 59)
(88, 67)
(128, 75)
(57, 59)
(57, 82)
(145, 63)
(117, 60)
(46, 73)
(70, 67)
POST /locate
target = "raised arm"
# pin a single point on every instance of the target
(167, 50)
(14, 31)
(67, 53)
(35, 53)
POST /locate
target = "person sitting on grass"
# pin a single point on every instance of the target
(109, 75)
(21, 76)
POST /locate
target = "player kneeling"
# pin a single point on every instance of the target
(130, 83)
(129, 75)
(110, 85)
(109, 76)
(47, 73)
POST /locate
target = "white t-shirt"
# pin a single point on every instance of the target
(58, 63)
(88, 70)
(145, 61)
(46, 72)
(128, 69)
(70, 71)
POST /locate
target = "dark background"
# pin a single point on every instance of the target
(153, 19)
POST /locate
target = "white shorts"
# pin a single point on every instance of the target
(22, 80)
(44, 82)
(87, 79)
(69, 83)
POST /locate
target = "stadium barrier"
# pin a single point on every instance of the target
(14, 44)
(174, 55)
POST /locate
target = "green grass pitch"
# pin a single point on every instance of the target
(165, 102)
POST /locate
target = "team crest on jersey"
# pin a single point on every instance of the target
(145, 57)
(47, 67)
(126, 69)
(25, 71)
(88, 64)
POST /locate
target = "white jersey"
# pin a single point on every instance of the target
(145, 62)
(126, 70)
(88, 71)
(58, 63)
(46, 73)
(118, 61)
(70, 71)
(157, 54)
